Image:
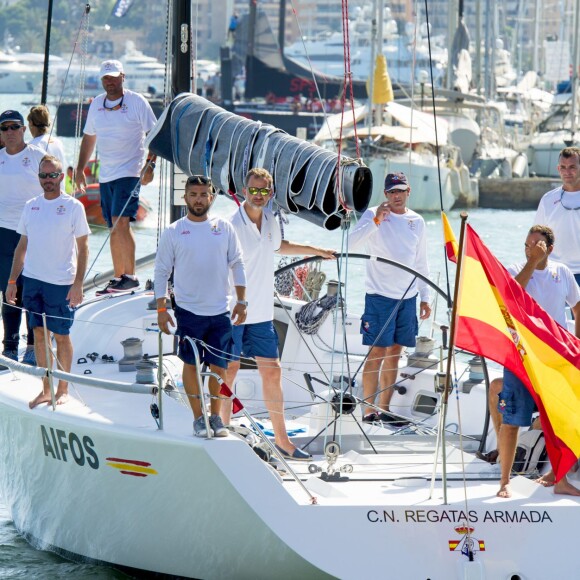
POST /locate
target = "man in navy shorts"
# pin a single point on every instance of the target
(260, 237)
(117, 122)
(201, 250)
(53, 281)
(389, 322)
(552, 285)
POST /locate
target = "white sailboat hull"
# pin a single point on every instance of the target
(96, 480)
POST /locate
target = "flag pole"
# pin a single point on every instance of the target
(446, 390)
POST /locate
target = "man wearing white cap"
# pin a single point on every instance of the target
(117, 122)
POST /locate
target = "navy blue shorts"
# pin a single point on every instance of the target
(214, 331)
(515, 402)
(402, 328)
(43, 298)
(577, 278)
(120, 198)
(258, 339)
(8, 241)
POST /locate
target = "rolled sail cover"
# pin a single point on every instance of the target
(202, 138)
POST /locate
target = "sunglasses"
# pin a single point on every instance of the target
(52, 175)
(198, 180)
(259, 190)
(5, 128)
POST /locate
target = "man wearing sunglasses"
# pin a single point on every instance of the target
(53, 281)
(117, 122)
(260, 238)
(389, 322)
(18, 174)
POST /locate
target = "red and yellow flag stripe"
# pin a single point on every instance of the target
(498, 319)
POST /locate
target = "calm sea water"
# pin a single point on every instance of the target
(503, 231)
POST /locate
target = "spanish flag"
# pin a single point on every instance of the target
(496, 318)
(451, 245)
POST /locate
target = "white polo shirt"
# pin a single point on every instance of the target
(18, 183)
(258, 249)
(52, 227)
(552, 288)
(120, 134)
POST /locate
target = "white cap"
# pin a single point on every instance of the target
(111, 68)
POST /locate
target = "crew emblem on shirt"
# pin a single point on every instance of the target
(26, 162)
(412, 224)
(555, 276)
(35, 208)
(215, 230)
(60, 210)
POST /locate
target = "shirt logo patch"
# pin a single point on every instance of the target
(26, 162)
(412, 225)
(34, 208)
(185, 232)
(60, 210)
(215, 230)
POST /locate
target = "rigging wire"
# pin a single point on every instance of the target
(446, 260)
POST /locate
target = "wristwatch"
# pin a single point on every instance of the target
(242, 303)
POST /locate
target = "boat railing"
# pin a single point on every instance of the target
(43, 372)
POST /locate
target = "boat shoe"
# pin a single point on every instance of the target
(122, 284)
(297, 455)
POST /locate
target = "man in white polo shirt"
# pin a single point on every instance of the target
(53, 280)
(260, 236)
(117, 122)
(19, 177)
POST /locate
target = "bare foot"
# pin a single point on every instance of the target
(42, 398)
(61, 398)
(564, 487)
(504, 491)
(546, 480)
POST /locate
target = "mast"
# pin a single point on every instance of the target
(43, 96)
(181, 81)
(574, 79)
(281, 25)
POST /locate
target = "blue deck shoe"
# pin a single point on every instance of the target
(298, 454)
(29, 357)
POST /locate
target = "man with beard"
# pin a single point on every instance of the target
(53, 280)
(19, 177)
(260, 237)
(201, 250)
(117, 122)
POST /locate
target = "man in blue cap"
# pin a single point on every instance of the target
(19, 164)
(389, 322)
